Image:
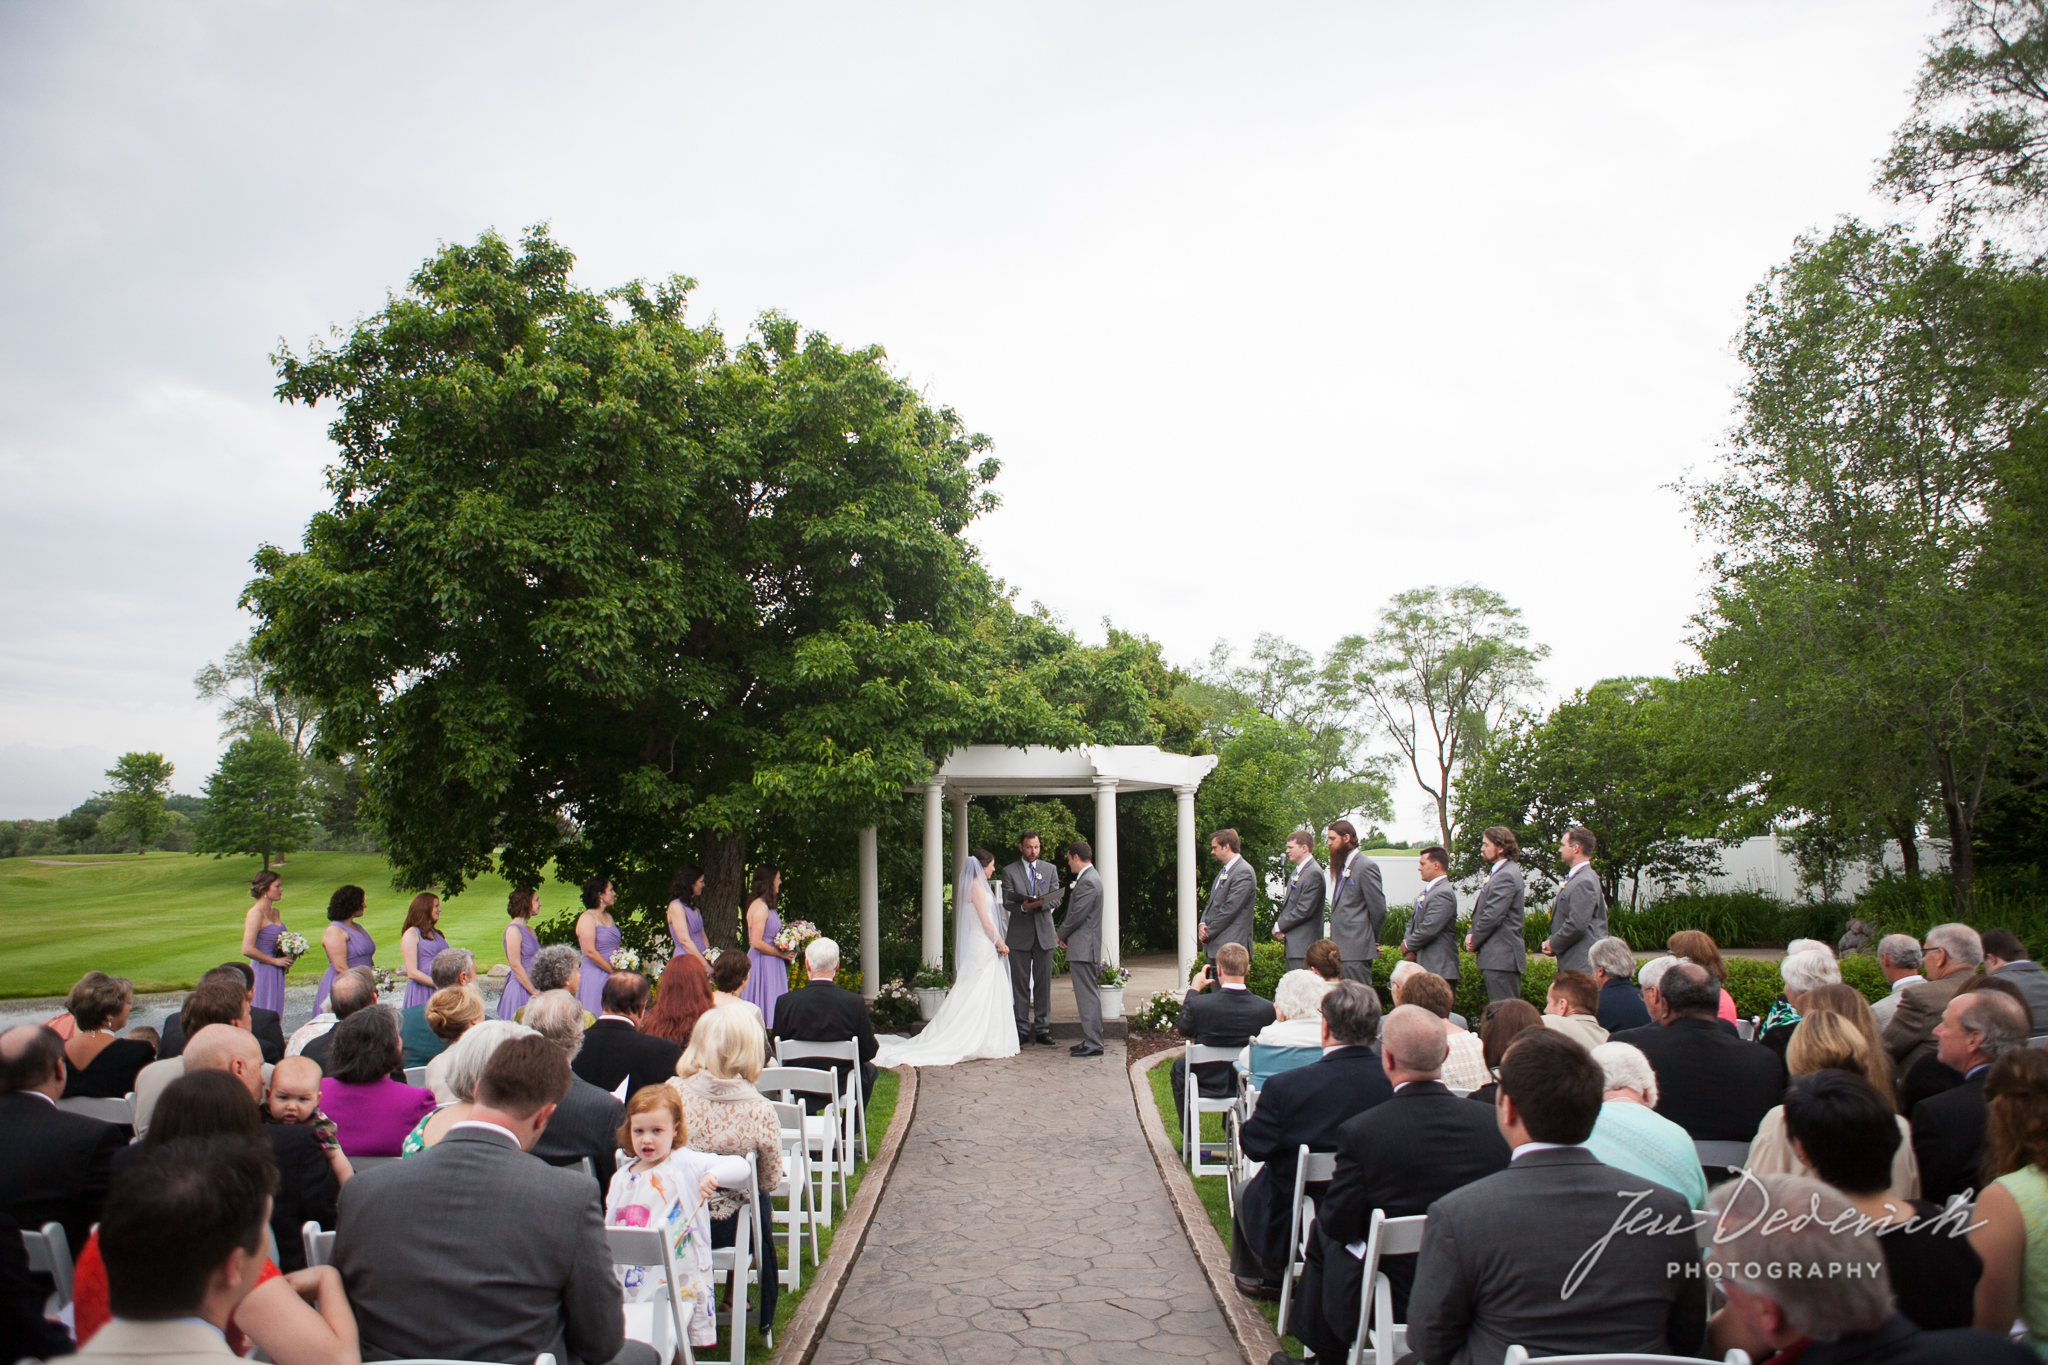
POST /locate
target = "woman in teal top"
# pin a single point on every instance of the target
(2011, 1233)
(1632, 1136)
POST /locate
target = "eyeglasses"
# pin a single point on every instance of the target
(1926, 948)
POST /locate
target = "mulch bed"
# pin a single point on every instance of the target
(1142, 1043)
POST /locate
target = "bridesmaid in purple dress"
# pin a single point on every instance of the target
(260, 928)
(598, 938)
(419, 943)
(769, 979)
(685, 923)
(346, 943)
(520, 946)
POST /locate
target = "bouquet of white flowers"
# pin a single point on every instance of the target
(292, 944)
(625, 960)
(388, 979)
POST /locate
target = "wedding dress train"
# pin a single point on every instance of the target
(979, 1018)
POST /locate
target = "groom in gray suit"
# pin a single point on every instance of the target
(1080, 933)
(1029, 888)
(1300, 921)
(1227, 918)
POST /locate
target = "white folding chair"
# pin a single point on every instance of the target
(795, 1191)
(1310, 1168)
(49, 1252)
(319, 1243)
(1194, 1150)
(1745, 1029)
(121, 1111)
(2038, 1040)
(735, 1265)
(544, 1358)
(416, 1075)
(1520, 1356)
(667, 1325)
(1385, 1237)
(824, 1140)
(1729, 1155)
(855, 1109)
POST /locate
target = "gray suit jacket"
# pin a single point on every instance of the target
(1031, 929)
(586, 1123)
(1433, 933)
(1228, 915)
(1496, 1254)
(2029, 977)
(1301, 914)
(1081, 925)
(474, 1250)
(1578, 920)
(1358, 908)
(1497, 921)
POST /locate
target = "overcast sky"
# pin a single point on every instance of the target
(1271, 311)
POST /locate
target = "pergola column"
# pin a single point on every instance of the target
(1105, 868)
(959, 835)
(1185, 868)
(934, 875)
(870, 916)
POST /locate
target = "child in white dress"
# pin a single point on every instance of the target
(665, 1188)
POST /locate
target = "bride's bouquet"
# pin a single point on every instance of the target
(625, 960)
(795, 935)
(292, 944)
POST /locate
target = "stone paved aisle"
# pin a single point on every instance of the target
(1025, 1222)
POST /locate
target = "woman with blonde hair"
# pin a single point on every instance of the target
(1828, 1041)
(451, 1013)
(726, 1116)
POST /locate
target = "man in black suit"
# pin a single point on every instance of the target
(1305, 1105)
(824, 1013)
(264, 1024)
(586, 1122)
(1710, 1082)
(1401, 1156)
(1226, 1016)
(54, 1166)
(1976, 1029)
(614, 1049)
(1559, 1252)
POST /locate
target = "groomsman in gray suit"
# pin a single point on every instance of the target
(1358, 902)
(1300, 921)
(1227, 918)
(1080, 933)
(1029, 888)
(1496, 937)
(1579, 918)
(1433, 933)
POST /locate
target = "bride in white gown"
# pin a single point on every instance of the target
(978, 1018)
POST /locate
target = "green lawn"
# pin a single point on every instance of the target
(161, 919)
(1213, 1190)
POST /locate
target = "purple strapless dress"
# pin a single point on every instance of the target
(695, 921)
(423, 957)
(362, 952)
(269, 979)
(769, 979)
(515, 997)
(590, 987)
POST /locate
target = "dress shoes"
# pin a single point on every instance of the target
(1045, 1037)
(1253, 1288)
(1084, 1051)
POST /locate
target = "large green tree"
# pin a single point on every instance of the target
(1976, 141)
(257, 800)
(136, 800)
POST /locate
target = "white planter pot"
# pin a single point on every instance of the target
(1112, 1002)
(929, 998)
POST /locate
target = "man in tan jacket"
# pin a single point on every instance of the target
(1949, 957)
(1573, 1008)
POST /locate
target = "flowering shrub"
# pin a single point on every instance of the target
(1160, 1012)
(894, 1006)
(1112, 978)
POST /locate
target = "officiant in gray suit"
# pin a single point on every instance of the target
(1227, 918)
(1080, 933)
(1358, 902)
(1030, 886)
(1300, 921)
(1433, 933)
(1496, 936)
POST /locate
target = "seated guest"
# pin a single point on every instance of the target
(54, 1165)
(1828, 1039)
(1306, 1104)
(353, 991)
(1571, 1007)
(2006, 958)
(25, 1334)
(1294, 1038)
(449, 969)
(1465, 1066)
(728, 978)
(1503, 1022)
(1227, 1016)
(614, 1050)
(1948, 958)
(1401, 1157)
(472, 1252)
(1325, 959)
(450, 1013)
(826, 1013)
(265, 1024)
(1776, 1313)
(726, 1116)
(465, 1063)
(1898, 957)
(586, 1118)
(324, 1021)
(372, 1113)
(1497, 1254)
(1948, 1129)
(2010, 1231)
(1648, 978)
(294, 1102)
(1710, 1082)
(1613, 965)
(98, 1064)
(1631, 1136)
(1803, 974)
(216, 1000)
(680, 1000)
(558, 967)
(1846, 1132)
(1806, 945)
(1930, 1075)
(1697, 945)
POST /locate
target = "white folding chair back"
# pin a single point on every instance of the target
(416, 1075)
(1745, 1029)
(823, 1136)
(1518, 1355)
(1377, 1330)
(1732, 1155)
(855, 1108)
(2038, 1040)
(647, 1247)
(319, 1244)
(544, 1358)
(121, 1111)
(49, 1253)
(795, 1191)
(1194, 1151)
(1310, 1168)
(735, 1265)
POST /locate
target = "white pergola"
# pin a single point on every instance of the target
(1101, 770)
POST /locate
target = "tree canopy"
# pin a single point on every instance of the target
(136, 800)
(257, 800)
